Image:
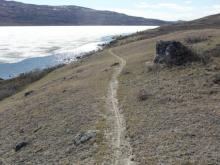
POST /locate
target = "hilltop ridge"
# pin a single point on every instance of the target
(14, 13)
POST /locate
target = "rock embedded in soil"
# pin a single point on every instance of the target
(143, 95)
(28, 93)
(115, 64)
(84, 137)
(126, 72)
(173, 53)
(21, 145)
(217, 79)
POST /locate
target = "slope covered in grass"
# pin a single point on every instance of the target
(176, 123)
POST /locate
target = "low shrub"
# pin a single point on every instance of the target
(215, 52)
(12, 86)
(152, 67)
(195, 39)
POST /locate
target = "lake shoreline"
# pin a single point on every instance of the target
(49, 54)
(78, 58)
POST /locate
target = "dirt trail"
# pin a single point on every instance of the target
(122, 152)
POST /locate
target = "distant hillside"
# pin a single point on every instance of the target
(16, 13)
(211, 21)
(208, 22)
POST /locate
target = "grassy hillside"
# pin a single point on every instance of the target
(67, 101)
(210, 22)
(14, 85)
(178, 123)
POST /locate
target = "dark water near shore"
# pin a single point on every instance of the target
(23, 49)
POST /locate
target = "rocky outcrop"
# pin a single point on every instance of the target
(173, 53)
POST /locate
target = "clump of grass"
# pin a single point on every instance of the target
(195, 39)
(203, 58)
(152, 67)
(12, 86)
(215, 52)
(200, 55)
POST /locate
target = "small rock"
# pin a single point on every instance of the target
(68, 131)
(38, 150)
(126, 72)
(37, 129)
(28, 93)
(217, 79)
(143, 95)
(212, 92)
(21, 145)
(21, 131)
(115, 64)
(84, 137)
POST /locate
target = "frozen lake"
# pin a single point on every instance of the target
(23, 49)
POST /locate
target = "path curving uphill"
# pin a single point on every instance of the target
(122, 152)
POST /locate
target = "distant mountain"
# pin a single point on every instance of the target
(15, 13)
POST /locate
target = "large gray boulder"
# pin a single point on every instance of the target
(172, 53)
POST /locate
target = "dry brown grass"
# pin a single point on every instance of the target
(177, 124)
(12, 86)
(195, 39)
(66, 102)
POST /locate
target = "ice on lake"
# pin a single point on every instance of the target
(23, 49)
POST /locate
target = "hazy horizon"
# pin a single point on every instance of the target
(157, 9)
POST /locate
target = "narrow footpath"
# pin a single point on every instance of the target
(122, 152)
